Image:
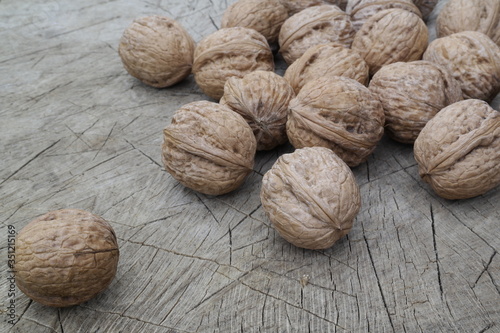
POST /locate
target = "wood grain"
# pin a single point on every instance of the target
(77, 131)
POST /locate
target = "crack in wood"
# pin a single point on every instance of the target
(484, 269)
(434, 244)
(59, 320)
(52, 329)
(378, 283)
(209, 210)
(487, 328)
(292, 305)
(105, 141)
(469, 228)
(40, 153)
(106, 160)
(84, 27)
(144, 154)
(122, 315)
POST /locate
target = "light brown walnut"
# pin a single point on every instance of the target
(208, 148)
(261, 98)
(337, 113)
(265, 16)
(458, 151)
(426, 7)
(411, 94)
(472, 58)
(311, 197)
(390, 36)
(157, 50)
(362, 10)
(312, 26)
(467, 15)
(65, 257)
(327, 60)
(229, 52)
(295, 6)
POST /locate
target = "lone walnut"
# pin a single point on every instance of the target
(65, 257)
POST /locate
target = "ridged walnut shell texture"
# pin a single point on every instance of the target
(411, 94)
(337, 113)
(458, 151)
(426, 7)
(390, 36)
(295, 6)
(157, 50)
(262, 99)
(265, 16)
(327, 60)
(208, 148)
(362, 10)
(65, 257)
(229, 52)
(312, 26)
(472, 58)
(467, 15)
(311, 197)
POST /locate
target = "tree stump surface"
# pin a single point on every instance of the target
(77, 131)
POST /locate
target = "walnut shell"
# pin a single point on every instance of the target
(295, 6)
(229, 52)
(362, 10)
(312, 26)
(390, 36)
(426, 7)
(65, 257)
(411, 94)
(157, 50)
(327, 60)
(265, 16)
(338, 113)
(311, 197)
(458, 151)
(208, 148)
(261, 98)
(464, 15)
(472, 58)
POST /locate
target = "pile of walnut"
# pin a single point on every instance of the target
(356, 68)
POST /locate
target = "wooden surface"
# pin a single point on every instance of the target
(77, 131)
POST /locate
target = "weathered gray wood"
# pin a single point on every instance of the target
(77, 131)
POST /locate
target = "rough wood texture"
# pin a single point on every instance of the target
(77, 131)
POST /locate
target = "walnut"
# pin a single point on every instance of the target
(390, 36)
(208, 148)
(262, 98)
(312, 26)
(265, 16)
(295, 6)
(229, 52)
(361, 10)
(311, 197)
(65, 257)
(472, 58)
(426, 7)
(326, 60)
(338, 113)
(463, 15)
(157, 50)
(458, 151)
(411, 94)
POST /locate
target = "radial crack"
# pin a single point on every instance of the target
(438, 268)
(378, 283)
